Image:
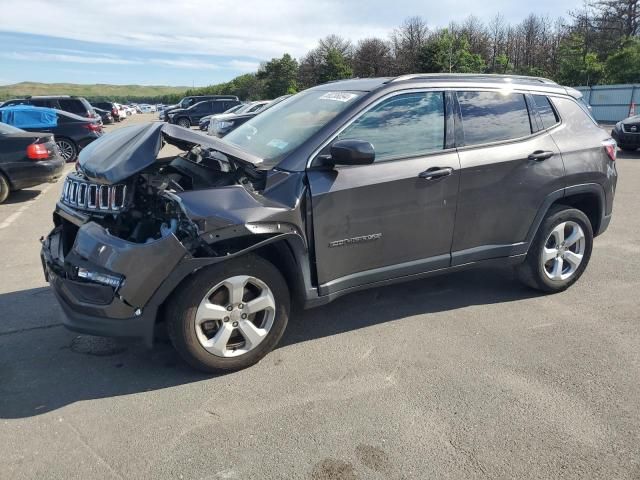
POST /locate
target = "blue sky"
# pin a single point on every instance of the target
(200, 42)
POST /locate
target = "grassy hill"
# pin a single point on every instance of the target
(96, 92)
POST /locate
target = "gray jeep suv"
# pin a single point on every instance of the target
(345, 186)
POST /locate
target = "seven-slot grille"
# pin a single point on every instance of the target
(92, 196)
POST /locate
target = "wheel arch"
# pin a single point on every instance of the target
(589, 198)
(287, 251)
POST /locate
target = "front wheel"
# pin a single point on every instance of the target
(229, 316)
(560, 251)
(184, 123)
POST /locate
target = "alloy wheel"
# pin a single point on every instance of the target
(67, 150)
(184, 123)
(235, 316)
(563, 251)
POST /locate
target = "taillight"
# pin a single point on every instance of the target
(611, 148)
(94, 127)
(37, 151)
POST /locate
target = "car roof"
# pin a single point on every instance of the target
(444, 80)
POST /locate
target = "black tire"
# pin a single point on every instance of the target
(181, 310)
(183, 122)
(68, 149)
(532, 271)
(5, 188)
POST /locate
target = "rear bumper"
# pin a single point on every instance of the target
(30, 173)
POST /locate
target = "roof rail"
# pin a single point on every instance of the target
(426, 76)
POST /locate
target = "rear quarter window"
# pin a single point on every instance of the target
(493, 116)
(546, 111)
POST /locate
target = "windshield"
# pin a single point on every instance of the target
(286, 125)
(185, 102)
(7, 129)
(234, 109)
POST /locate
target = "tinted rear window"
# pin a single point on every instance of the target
(493, 116)
(546, 111)
(72, 105)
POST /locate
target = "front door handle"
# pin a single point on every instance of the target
(540, 155)
(435, 172)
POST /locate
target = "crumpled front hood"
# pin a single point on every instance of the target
(118, 155)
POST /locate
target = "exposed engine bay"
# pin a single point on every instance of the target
(145, 207)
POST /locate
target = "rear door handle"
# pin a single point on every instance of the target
(540, 155)
(435, 172)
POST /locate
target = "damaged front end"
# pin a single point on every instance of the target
(130, 226)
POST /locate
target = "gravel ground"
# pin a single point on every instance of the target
(465, 376)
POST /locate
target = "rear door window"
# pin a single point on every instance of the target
(406, 125)
(545, 110)
(40, 102)
(493, 116)
(72, 105)
(217, 107)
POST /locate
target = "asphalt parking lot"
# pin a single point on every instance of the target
(465, 376)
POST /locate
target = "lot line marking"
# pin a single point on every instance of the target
(15, 215)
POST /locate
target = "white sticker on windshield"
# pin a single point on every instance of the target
(279, 144)
(338, 96)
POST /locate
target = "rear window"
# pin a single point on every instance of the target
(546, 111)
(72, 105)
(493, 116)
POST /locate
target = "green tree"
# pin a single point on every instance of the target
(446, 52)
(623, 66)
(578, 65)
(279, 76)
(334, 66)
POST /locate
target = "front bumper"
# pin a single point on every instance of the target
(626, 139)
(149, 271)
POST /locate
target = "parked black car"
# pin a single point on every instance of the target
(345, 186)
(187, 102)
(110, 107)
(26, 159)
(192, 115)
(627, 133)
(76, 105)
(105, 115)
(72, 132)
(223, 124)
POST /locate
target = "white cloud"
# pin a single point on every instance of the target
(195, 64)
(90, 58)
(254, 29)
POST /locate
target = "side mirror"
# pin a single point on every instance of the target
(352, 152)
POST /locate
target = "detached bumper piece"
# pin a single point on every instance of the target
(105, 284)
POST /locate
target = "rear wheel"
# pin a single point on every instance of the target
(4, 188)
(184, 122)
(68, 149)
(229, 316)
(560, 251)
